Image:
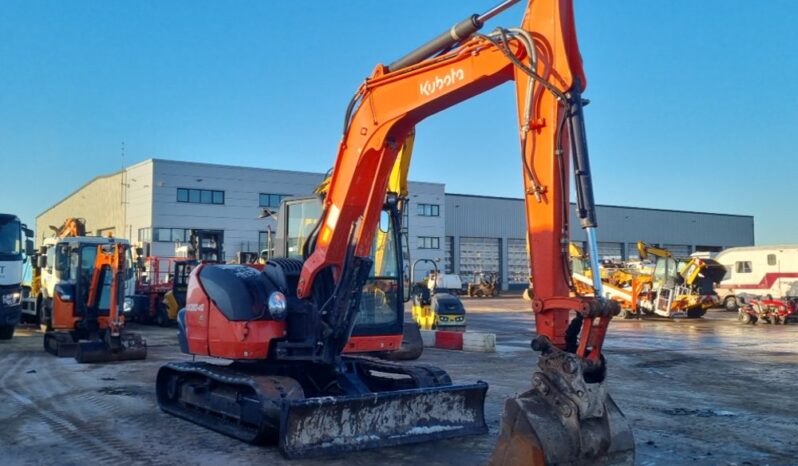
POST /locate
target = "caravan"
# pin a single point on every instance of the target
(757, 270)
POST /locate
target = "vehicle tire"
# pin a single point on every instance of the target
(730, 303)
(6, 332)
(161, 319)
(45, 315)
(625, 313)
(480, 294)
(745, 317)
(41, 317)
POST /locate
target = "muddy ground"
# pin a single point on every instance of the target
(708, 391)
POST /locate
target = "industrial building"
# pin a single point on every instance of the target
(155, 203)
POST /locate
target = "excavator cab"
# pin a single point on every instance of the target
(382, 299)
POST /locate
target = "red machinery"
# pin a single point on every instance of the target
(769, 310)
(286, 328)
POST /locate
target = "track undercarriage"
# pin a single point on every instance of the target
(95, 348)
(311, 409)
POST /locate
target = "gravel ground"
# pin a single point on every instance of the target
(708, 391)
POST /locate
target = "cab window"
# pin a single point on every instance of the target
(61, 260)
(380, 296)
(742, 267)
(302, 219)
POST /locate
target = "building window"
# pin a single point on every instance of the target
(200, 196)
(145, 235)
(771, 259)
(271, 200)
(428, 210)
(169, 235)
(743, 267)
(429, 242)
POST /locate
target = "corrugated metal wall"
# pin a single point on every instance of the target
(619, 228)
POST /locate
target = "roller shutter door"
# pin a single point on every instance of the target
(610, 250)
(448, 248)
(479, 255)
(517, 262)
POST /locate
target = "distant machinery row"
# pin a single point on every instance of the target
(157, 202)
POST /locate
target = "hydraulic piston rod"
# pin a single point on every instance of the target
(585, 204)
(457, 33)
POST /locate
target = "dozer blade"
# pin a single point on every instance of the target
(325, 425)
(132, 347)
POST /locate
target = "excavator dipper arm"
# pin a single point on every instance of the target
(582, 423)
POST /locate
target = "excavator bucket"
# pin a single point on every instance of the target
(326, 425)
(130, 347)
(566, 419)
(535, 432)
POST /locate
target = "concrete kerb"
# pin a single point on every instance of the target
(463, 341)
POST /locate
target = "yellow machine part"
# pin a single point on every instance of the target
(171, 304)
(644, 250)
(424, 316)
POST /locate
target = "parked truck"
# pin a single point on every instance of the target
(16, 246)
(757, 271)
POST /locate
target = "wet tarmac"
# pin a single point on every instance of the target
(709, 391)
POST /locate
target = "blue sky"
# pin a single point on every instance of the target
(693, 105)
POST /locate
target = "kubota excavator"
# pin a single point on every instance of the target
(87, 320)
(285, 328)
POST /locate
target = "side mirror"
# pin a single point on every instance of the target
(41, 261)
(29, 249)
(28, 232)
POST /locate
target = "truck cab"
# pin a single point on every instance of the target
(15, 247)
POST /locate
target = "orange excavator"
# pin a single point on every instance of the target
(285, 328)
(87, 320)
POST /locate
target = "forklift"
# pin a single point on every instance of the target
(160, 295)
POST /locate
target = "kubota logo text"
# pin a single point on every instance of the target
(431, 86)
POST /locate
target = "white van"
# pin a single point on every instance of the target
(757, 270)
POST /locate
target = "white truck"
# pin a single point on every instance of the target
(55, 264)
(757, 271)
(15, 247)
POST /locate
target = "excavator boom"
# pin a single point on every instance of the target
(543, 59)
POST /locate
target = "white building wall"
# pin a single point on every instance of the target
(138, 189)
(238, 216)
(425, 226)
